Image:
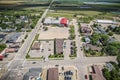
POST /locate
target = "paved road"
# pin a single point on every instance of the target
(78, 40)
(26, 45)
(67, 49)
(80, 62)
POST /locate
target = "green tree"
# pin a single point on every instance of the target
(94, 38)
(2, 47)
(118, 60)
(106, 74)
(113, 48)
(104, 39)
(110, 33)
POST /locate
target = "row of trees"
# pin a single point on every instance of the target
(72, 32)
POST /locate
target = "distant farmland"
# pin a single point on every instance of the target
(91, 0)
(12, 4)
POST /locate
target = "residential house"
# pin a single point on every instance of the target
(87, 40)
(109, 66)
(112, 39)
(92, 47)
(101, 30)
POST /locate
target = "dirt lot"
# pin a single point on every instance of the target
(54, 32)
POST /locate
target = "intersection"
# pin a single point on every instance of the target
(80, 62)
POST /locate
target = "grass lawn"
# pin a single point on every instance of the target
(69, 16)
(85, 12)
(21, 1)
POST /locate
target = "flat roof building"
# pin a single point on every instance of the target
(106, 21)
(13, 38)
(97, 75)
(58, 46)
(36, 46)
(61, 21)
(33, 74)
(52, 74)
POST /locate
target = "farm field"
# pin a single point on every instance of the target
(87, 13)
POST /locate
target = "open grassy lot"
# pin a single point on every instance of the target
(81, 12)
(53, 14)
(87, 13)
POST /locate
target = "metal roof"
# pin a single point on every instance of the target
(105, 21)
(14, 37)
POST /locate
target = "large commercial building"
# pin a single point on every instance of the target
(97, 74)
(52, 74)
(106, 21)
(56, 21)
(13, 38)
(58, 46)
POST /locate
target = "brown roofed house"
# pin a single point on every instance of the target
(52, 74)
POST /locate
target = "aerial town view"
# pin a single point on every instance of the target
(59, 39)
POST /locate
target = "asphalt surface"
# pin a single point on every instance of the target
(81, 62)
(20, 56)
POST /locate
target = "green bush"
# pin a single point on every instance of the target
(2, 47)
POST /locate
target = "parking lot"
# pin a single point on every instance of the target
(46, 48)
(66, 49)
(54, 32)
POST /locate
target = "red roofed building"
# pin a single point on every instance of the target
(1, 57)
(64, 21)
